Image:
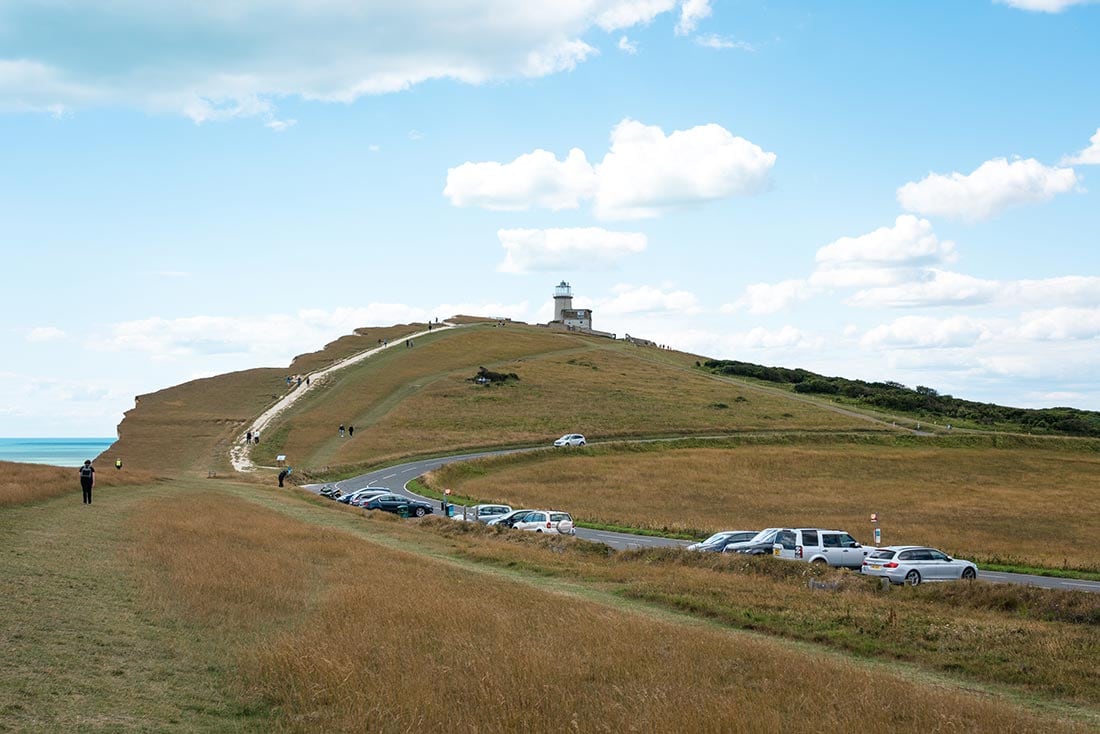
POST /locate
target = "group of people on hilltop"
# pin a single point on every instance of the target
(351, 431)
(296, 380)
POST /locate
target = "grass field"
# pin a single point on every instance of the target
(1031, 505)
(212, 606)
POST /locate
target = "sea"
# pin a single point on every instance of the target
(55, 451)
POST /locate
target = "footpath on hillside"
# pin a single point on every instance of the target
(240, 455)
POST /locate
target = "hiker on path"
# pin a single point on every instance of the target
(282, 476)
(307, 380)
(341, 430)
(256, 436)
(118, 464)
(87, 480)
(351, 431)
(248, 437)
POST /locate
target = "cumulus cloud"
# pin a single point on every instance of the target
(536, 179)
(994, 186)
(574, 248)
(945, 288)
(248, 55)
(1043, 6)
(45, 334)
(1090, 156)
(787, 337)
(272, 338)
(764, 298)
(912, 332)
(630, 299)
(691, 12)
(1060, 324)
(881, 257)
(644, 174)
(628, 46)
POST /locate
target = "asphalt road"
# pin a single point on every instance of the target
(397, 477)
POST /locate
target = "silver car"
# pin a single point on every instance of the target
(718, 542)
(914, 564)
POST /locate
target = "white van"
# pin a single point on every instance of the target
(815, 545)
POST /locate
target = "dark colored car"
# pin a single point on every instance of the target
(760, 545)
(330, 491)
(394, 503)
(509, 520)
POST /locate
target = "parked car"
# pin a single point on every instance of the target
(510, 519)
(546, 521)
(718, 542)
(570, 439)
(348, 497)
(816, 545)
(486, 513)
(361, 497)
(394, 502)
(760, 544)
(330, 491)
(914, 564)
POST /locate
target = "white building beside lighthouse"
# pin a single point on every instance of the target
(568, 318)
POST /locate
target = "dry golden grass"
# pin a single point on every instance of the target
(363, 394)
(1032, 505)
(401, 643)
(23, 483)
(421, 399)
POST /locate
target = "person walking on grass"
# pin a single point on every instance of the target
(351, 431)
(118, 464)
(87, 480)
(341, 430)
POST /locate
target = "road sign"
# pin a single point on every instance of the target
(878, 536)
(874, 517)
(446, 491)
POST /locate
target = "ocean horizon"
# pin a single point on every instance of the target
(53, 451)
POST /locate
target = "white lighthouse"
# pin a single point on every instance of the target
(573, 319)
(563, 300)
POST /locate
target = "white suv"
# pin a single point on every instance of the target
(815, 545)
(547, 521)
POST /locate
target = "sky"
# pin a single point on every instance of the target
(905, 191)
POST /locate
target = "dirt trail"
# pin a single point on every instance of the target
(240, 453)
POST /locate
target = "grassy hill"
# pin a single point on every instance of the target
(185, 604)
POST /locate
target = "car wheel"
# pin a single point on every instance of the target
(969, 574)
(912, 578)
(539, 530)
(419, 512)
(819, 561)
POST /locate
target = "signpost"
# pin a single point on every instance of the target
(878, 530)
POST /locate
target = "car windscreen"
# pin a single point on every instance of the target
(882, 555)
(764, 536)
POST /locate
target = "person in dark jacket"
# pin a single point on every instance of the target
(87, 480)
(282, 476)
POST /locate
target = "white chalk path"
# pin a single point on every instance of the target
(240, 453)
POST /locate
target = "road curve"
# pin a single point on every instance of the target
(397, 477)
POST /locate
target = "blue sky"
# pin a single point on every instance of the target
(895, 191)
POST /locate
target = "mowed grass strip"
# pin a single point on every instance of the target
(82, 648)
(1029, 505)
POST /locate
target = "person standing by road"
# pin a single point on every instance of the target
(282, 476)
(87, 480)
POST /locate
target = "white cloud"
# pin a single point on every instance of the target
(944, 288)
(1090, 156)
(629, 299)
(45, 334)
(1043, 6)
(246, 54)
(534, 179)
(581, 248)
(272, 338)
(764, 298)
(788, 337)
(646, 172)
(280, 126)
(643, 174)
(713, 40)
(628, 46)
(992, 187)
(882, 257)
(1060, 324)
(691, 12)
(912, 332)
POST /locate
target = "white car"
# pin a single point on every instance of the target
(547, 521)
(817, 545)
(487, 513)
(913, 564)
(570, 439)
